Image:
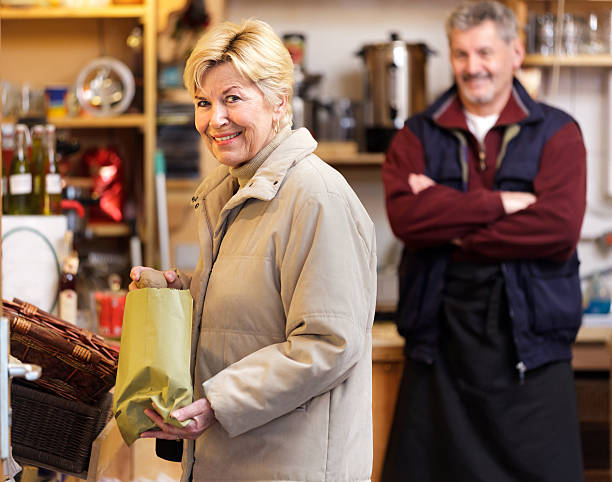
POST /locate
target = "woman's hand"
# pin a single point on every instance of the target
(171, 277)
(199, 413)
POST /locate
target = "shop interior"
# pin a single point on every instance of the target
(107, 76)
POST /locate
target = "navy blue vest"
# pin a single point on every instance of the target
(544, 297)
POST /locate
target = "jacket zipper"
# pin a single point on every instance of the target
(520, 366)
(482, 155)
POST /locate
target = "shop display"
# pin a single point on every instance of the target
(31, 182)
(52, 196)
(8, 147)
(76, 364)
(106, 168)
(395, 87)
(37, 166)
(20, 174)
(105, 87)
(52, 432)
(56, 101)
(68, 306)
(574, 34)
(110, 306)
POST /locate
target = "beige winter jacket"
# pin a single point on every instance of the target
(284, 294)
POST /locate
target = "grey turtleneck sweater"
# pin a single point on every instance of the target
(246, 171)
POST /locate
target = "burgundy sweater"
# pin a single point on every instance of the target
(549, 228)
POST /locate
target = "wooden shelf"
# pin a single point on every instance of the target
(595, 60)
(112, 11)
(360, 159)
(345, 153)
(125, 120)
(108, 229)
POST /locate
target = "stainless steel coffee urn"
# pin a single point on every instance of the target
(394, 88)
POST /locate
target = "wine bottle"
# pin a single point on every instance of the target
(8, 147)
(20, 175)
(38, 168)
(68, 282)
(53, 184)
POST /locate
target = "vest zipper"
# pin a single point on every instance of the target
(482, 156)
(520, 366)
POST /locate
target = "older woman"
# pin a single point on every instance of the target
(285, 285)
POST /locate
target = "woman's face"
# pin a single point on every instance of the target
(232, 115)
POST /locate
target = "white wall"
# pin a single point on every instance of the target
(335, 30)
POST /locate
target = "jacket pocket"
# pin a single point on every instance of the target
(555, 297)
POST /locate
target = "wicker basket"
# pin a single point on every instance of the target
(52, 432)
(76, 364)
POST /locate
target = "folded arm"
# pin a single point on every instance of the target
(550, 227)
(422, 213)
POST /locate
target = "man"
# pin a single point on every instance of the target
(487, 190)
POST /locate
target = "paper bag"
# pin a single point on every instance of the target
(153, 359)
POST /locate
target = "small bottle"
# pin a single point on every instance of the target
(598, 296)
(68, 282)
(295, 44)
(8, 147)
(20, 175)
(52, 198)
(38, 168)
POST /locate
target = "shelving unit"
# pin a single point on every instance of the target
(595, 60)
(49, 45)
(360, 159)
(123, 121)
(112, 11)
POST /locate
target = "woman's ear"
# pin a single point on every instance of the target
(280, 107)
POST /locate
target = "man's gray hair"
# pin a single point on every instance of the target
(472, 14)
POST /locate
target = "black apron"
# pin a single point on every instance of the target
(470, 416)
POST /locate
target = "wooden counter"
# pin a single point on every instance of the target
(590, 352)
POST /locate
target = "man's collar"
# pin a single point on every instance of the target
(447, 111)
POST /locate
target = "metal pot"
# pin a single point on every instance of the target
(394, 87)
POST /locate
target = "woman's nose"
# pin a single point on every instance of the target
(219, 115)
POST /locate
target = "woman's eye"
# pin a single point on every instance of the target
(202, 103)
(232, 98)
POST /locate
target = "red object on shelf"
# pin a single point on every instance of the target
(106, 168)
(68, 204)
(110, 307)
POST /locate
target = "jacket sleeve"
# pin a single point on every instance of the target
(438, 214)
(328, 290)
(549, 228)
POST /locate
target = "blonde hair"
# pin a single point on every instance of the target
(254, 50)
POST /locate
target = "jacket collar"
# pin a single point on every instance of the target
(447, 110)
(266, 181)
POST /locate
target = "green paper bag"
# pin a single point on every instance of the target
(153, 359)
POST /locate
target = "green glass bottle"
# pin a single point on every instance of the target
(52, 199)
(8, 147)
(20, 175)
(38, 168)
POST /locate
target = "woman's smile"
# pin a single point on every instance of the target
(222, 139)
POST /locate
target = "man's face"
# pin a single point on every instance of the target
(483, 65)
